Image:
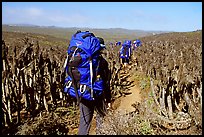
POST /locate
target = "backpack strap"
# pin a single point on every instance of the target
(68, 84)
(129, 51)
(82, 88)
(72, 58)
(91, 75)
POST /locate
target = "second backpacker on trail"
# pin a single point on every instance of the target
(82, 67)
(125, 51)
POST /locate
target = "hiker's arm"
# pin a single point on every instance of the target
(106, 77)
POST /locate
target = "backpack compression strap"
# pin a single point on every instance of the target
(90, 64)
(129, 51)
(91, 74)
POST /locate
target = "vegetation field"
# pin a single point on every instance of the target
(167, 68)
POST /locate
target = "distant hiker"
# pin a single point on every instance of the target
(115, 44)
(136, 44)
(88, 77)
(134, 47)
(111, 45)
(118, 43)
(125, 52)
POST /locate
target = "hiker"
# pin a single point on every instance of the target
(125, 53)
(111, 45)
(118, 43)
(88, 78)
(115, 43)
(134, 46)
(138, 43)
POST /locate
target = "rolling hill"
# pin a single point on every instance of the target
(111, 34)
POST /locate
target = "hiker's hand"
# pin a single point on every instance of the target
(108, 106)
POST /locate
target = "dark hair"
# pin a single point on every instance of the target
(101, 40)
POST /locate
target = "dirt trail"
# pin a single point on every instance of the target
(123, 104)
(126, 102)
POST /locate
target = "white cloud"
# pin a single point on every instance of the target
(39, 16)
(75, 18)
(23, 12)
(34, 12)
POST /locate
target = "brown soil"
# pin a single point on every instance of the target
(123, 104)
(126, 102)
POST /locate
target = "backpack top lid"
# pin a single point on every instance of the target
(125, 45)
(127, 42)
(138, 41)
(118, 43)
(85, 41)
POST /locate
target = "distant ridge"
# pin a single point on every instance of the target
(118, 29)
(66, 32)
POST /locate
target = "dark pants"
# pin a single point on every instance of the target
(125, 60)
(86, 114)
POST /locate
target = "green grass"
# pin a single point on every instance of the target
(144, 81)
(145, 128)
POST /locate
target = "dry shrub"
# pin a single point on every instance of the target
(48, 124)
(120, 123)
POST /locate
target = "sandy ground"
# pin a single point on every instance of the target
(122, 104)
(127, 101)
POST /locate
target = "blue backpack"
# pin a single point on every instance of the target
(118, 43)
(82, 67)
(138, 43)
(125, 51)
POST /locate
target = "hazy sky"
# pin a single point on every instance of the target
(162, 16)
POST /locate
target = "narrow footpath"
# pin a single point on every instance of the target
(123, 104)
